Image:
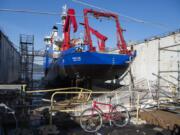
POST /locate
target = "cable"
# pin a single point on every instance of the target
(29, 11)
(129, 18)
(35, 12)
(159, 25)
(102, 9)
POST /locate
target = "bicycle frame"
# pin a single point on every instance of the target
(106, 115)
(91, 119)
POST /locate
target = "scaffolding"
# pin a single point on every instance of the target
(175, 93)
(27, 59)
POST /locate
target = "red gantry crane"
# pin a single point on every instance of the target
(121, 44)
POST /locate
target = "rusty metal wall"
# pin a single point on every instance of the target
(9, 61)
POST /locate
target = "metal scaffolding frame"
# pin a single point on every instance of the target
(27, 59)
(169, 49)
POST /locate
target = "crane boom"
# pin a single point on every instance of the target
(101, 37)
(70, 19)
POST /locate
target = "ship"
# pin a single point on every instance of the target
(77, 62)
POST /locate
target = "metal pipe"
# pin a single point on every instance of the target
(53, 90)
(161, 48)
(157, 91)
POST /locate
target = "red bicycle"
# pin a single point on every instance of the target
(92, 118)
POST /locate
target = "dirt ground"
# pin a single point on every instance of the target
(164, 119)
(128, 130)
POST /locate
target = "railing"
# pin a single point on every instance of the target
(82, 103)
(158, 36)
(82, 98)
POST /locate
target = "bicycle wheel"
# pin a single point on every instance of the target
(91, 120)
(119, 116)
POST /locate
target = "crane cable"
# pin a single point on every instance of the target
(126, 17)
(34, 12)
(29, 11)
(159, 25)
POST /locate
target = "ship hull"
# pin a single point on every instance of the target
(95, 71)
(93, 65)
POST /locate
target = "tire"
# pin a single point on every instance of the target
(91, 120)
(120, 116)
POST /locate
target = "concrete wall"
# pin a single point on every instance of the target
(9, 61)
(146, 61)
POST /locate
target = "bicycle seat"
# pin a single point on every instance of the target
(110, 96)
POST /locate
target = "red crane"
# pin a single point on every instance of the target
(121, 44)
(70, 19)
(102, 38)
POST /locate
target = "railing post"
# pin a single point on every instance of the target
(51, 109)
(116, 97)
(137, 108)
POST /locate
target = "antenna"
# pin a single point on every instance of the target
(64, 10)
(63, 18)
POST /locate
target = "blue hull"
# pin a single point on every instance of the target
(94, 65)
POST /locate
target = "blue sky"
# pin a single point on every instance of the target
(166, 12)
